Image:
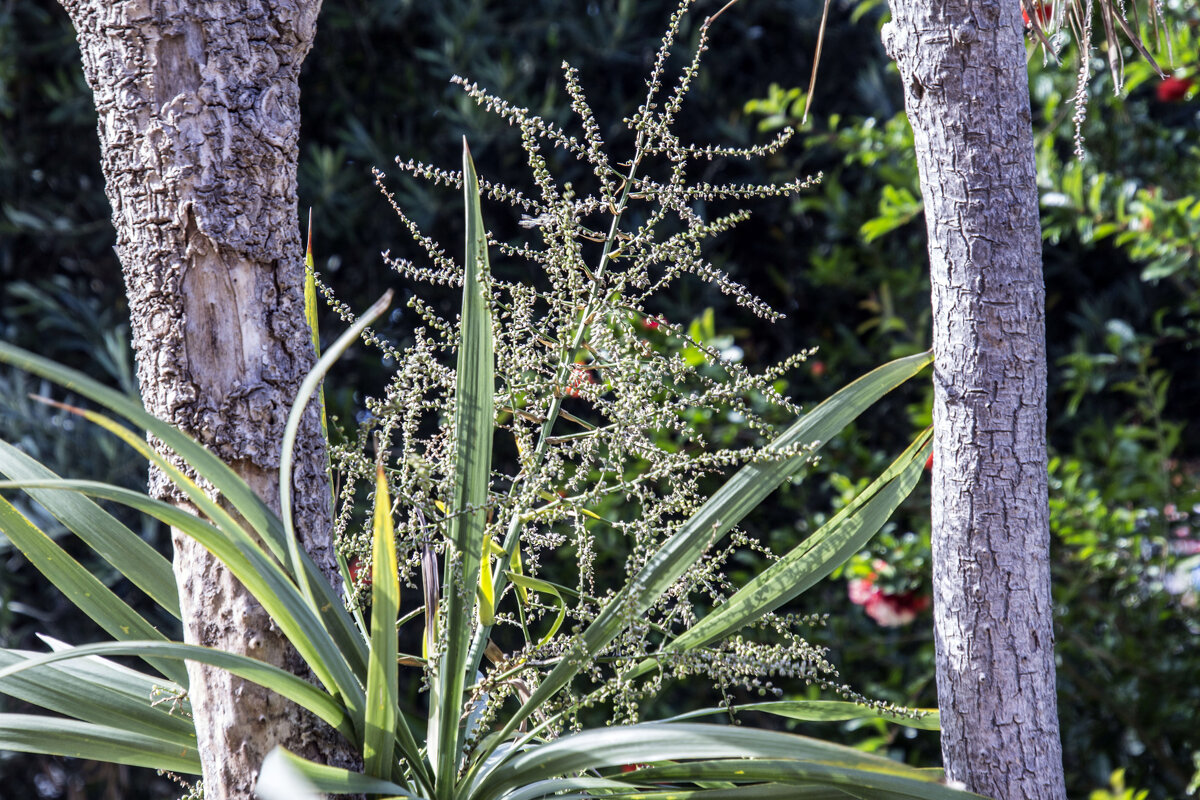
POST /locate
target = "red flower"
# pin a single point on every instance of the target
(580, 374)
(929, 463)
(650, 323)
(357, 573)
(1043, 11)
(817, 368)
(1172, 90)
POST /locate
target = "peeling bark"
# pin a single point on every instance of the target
(198, 108)
(962, 63)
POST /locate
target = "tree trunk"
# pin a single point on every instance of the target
(962, 63)
(199, 120)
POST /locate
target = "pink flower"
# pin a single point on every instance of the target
(861, 590)
(894, 610)
(888, 610)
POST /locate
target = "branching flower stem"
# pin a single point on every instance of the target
(512, 536)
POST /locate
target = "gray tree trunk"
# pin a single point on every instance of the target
(962, 63)
(199, 120)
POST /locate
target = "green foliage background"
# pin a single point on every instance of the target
(846, 262)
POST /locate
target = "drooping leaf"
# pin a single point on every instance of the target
(284, 683)
(331, 780)
(259, 573)
(82, 588)
(102, 693)
(227, 482)
(127, 552)
(308, 386)
(30, 733)
(529, 583)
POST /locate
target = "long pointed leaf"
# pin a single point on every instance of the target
(103, 697)
(474, 417)
(257, 571)
(726, 508)
(889, 779)
(310, 384)
(127, 552)
(238, 494)
(331, 780)
(284, 683)
(82, 588)
(29, 733)
(650, 742)
(379, 739)
(825, 711)
(813, 559)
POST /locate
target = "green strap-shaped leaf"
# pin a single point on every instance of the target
(474, 418)
(127, 552)
(813, 559)
(300, 622)
(617, 746)
(890, 779)
(82, 588)
(29, 733)
(235, 491)
(284, 683)
(379, 736)
(101, 693)
(619, 790)
(748, 487)
(331, 780)
(826, 711)
(259, 573)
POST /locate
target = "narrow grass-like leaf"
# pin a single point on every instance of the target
(100, 697)
(825, 711)
(82, 588)
(813, 559)
(277, 680)
(127, 552)
(748, 487)
(474, 417)
(30, 733)
(331, 780)
(235, 491)
(379, 738)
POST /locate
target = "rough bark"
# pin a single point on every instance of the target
(199, 120)
(962, 63)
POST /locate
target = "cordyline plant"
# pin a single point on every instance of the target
(519, 634)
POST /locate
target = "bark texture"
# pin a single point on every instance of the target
(199, 120)
(962, 63)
